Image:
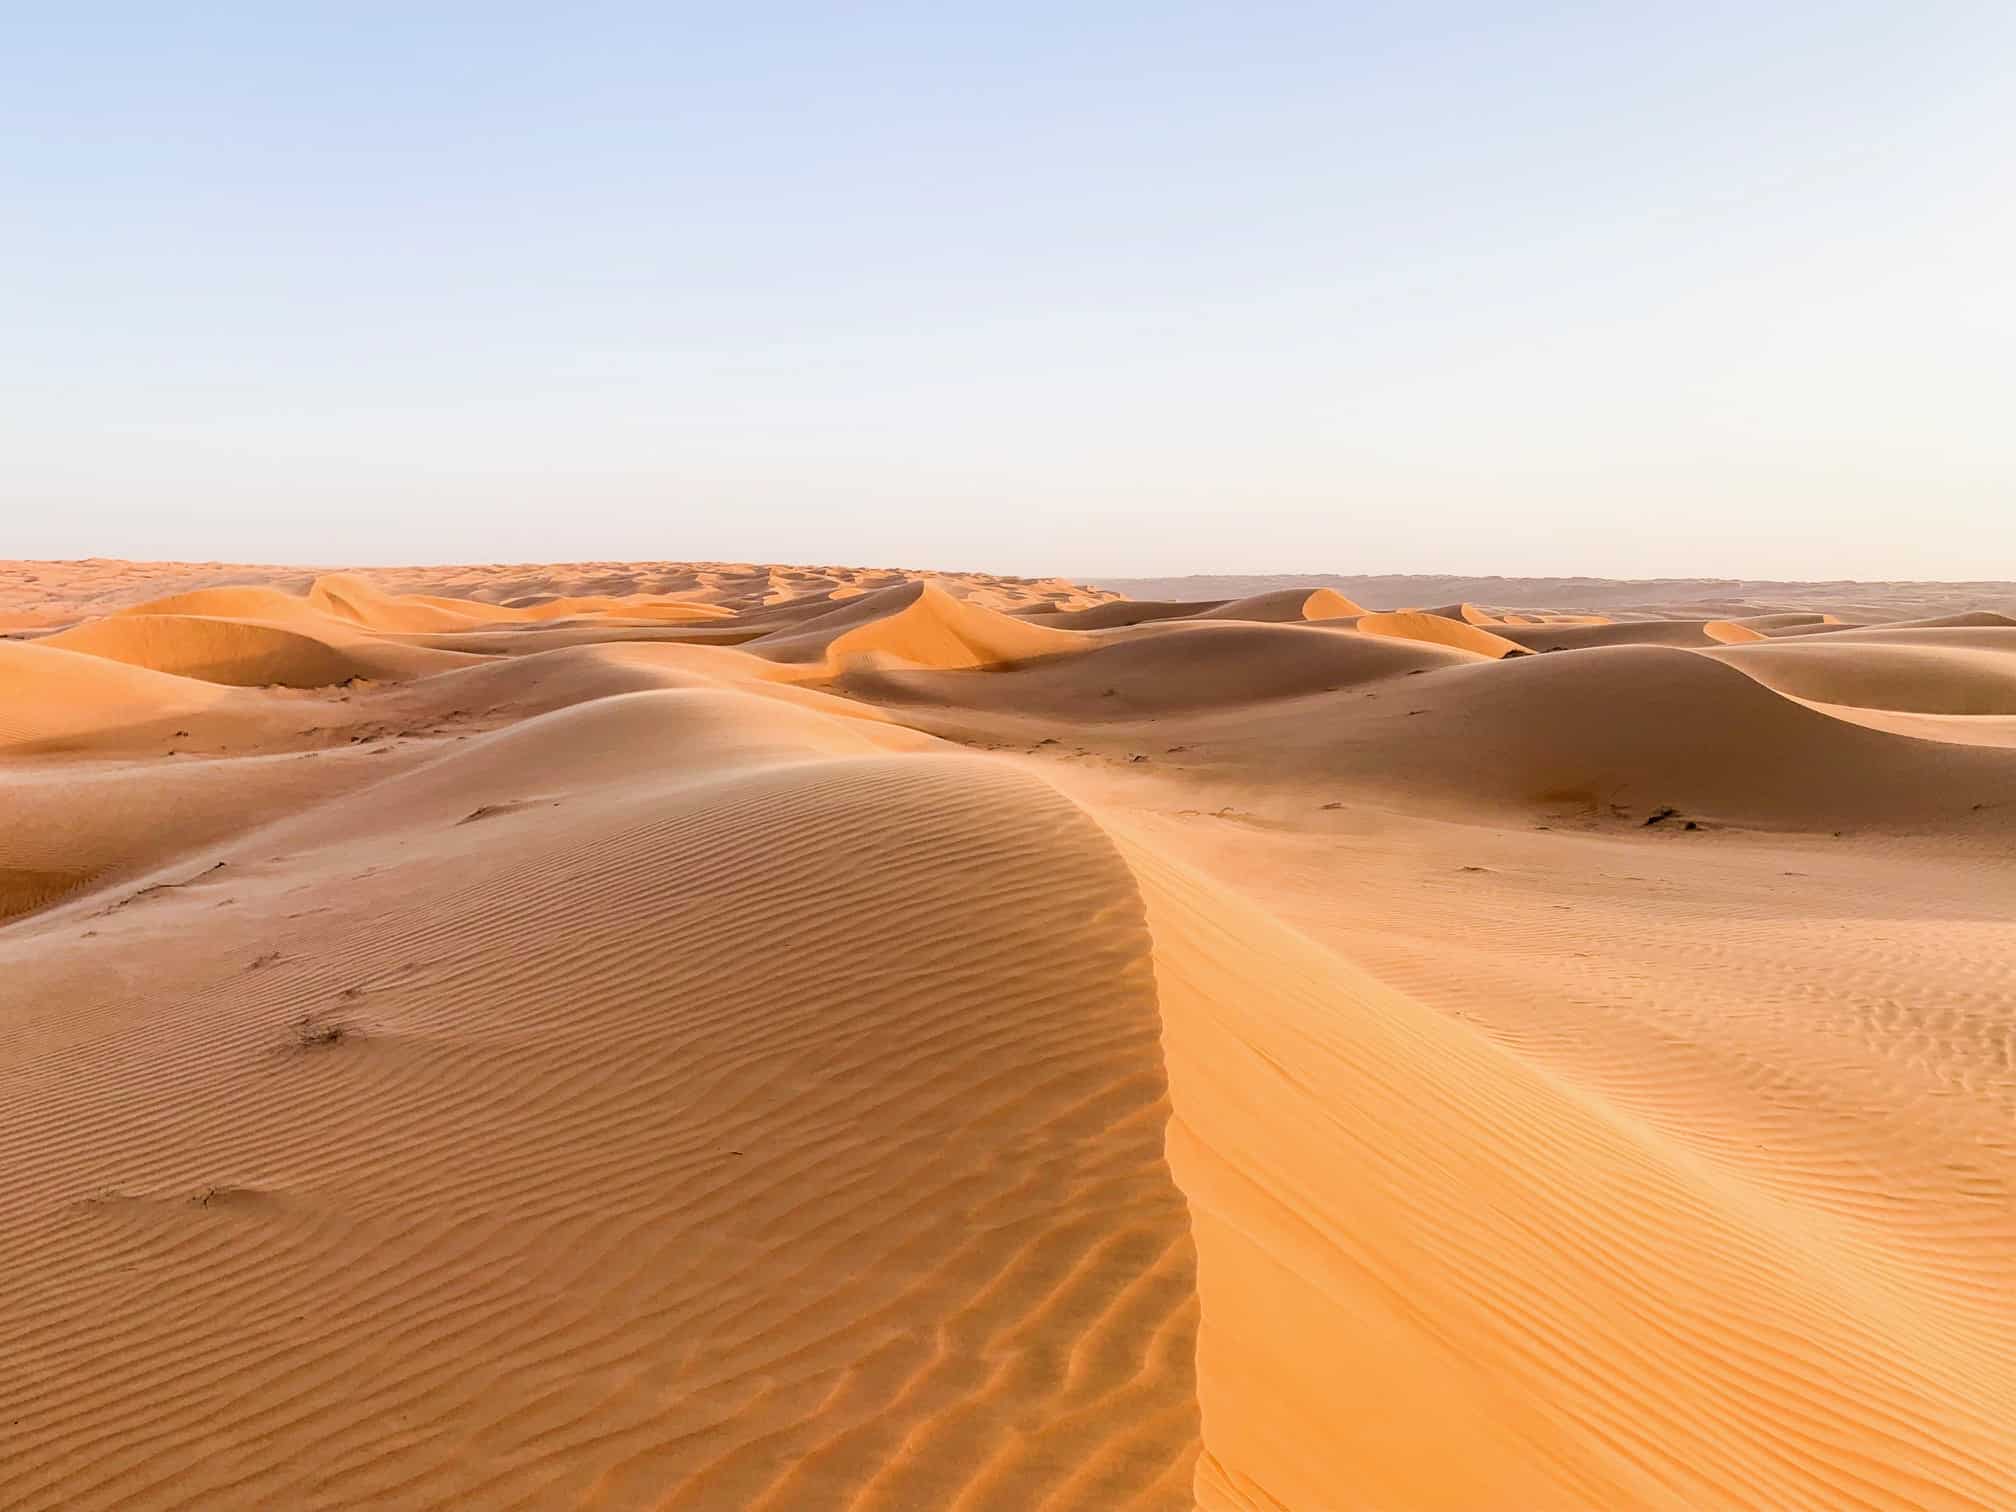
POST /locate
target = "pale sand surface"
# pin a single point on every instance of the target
(1619, 598)
(723, 1035)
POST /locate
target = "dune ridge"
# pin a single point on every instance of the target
(708, 1116)
(247, 653)
(1461, 632)
(1287, 604)
(917, 624)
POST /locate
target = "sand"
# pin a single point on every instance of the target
(724, 1035)
(1614, 598)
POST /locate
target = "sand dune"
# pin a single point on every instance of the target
(548, 1097)
(1979, 618)
(55, 699)
(246, 653)
(723, 1035)
(1679, 598)
(1613, 735)
(607, 604)
(1954, 729)
(1556, 636)
(1551, 617)
(1772, 623)
(1735, 633)
(1463, 613)
(41, 593)
(239, 602)
(348, 596)
(1118, 613)
(1910, 676)
(1158, 670)
(917, 624)
(1441, 630)
(1288, 604)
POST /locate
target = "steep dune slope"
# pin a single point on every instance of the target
(1732, 633)
(1469, 1285)
(1440, 630)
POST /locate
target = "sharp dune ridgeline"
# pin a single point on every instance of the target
(727, 1035)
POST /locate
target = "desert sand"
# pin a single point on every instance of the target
(723, 1035)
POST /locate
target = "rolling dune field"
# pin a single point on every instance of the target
(727, 1035)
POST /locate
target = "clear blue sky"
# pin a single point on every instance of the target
(1091, 288)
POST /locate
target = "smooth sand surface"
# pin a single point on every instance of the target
(1444, 630)
(1288, 604)
(725, 1035)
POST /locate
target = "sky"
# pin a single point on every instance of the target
(1093, 289)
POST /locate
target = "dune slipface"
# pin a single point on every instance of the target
(1287, 604)
(727, 1035)
(1463, 633)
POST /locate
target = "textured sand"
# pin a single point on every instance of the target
(739, 1036)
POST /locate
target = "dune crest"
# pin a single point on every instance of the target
(1287, 605)
(1731, 633)
(1910, 673)
(348, 596)
(247, 653)
(1441, 630)
(915, 624)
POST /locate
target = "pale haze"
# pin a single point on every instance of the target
(1629, 291)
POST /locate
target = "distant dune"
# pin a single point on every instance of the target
(1703, 598)
(725, 1035)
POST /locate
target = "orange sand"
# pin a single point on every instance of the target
(722, 1035)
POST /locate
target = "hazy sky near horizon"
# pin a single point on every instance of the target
(1625, 290)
